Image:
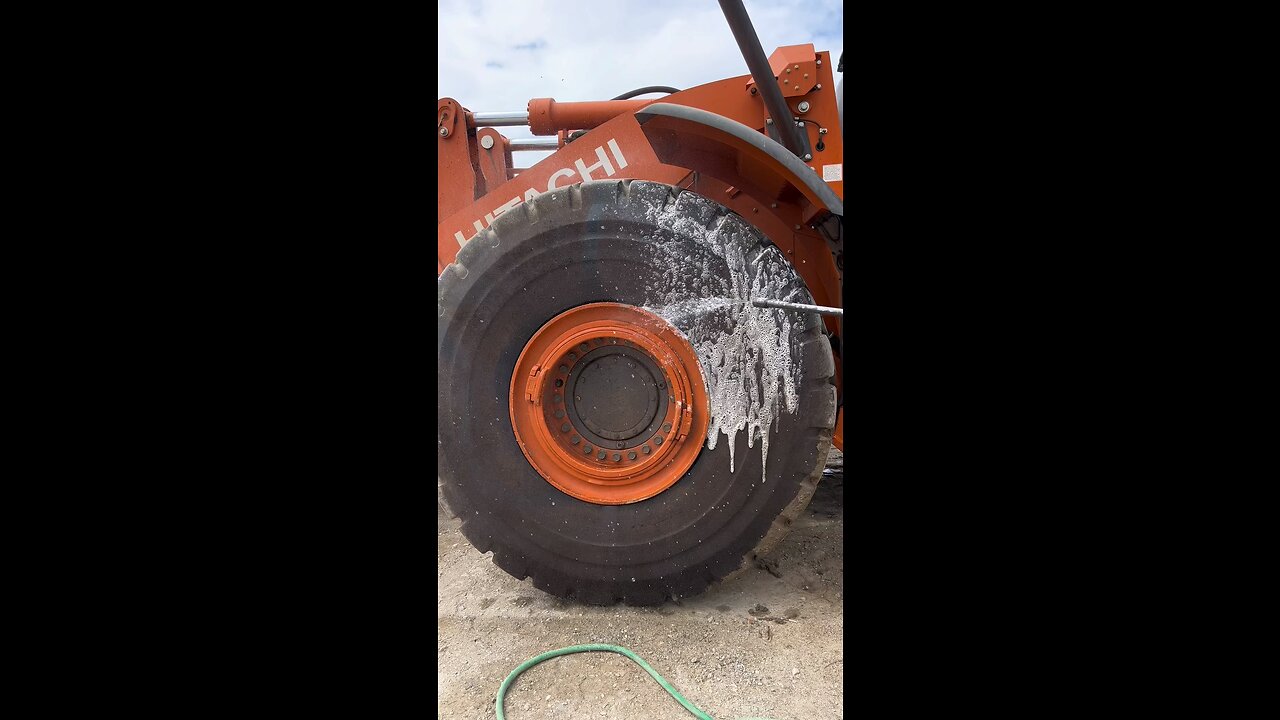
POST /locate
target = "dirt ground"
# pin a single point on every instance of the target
(767, 644)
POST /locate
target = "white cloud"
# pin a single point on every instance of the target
(496, 55)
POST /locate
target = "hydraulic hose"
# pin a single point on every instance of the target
(647, 90)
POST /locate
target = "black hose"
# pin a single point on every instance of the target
(744, 33)
(647, 90)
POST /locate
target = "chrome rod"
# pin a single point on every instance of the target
(501, 119)
(518, 144)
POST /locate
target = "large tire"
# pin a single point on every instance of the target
(638, 243)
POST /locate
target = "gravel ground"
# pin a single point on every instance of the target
(767, 644)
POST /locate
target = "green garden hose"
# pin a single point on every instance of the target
(502, 691)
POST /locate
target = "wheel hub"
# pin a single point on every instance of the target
(615, 396)
(608, 403)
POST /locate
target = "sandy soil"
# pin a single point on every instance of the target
(767, 644)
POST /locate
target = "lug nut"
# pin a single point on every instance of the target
(575, 439)
(617, 457)
(586, 450)
(564, 368)
(804, 107)
(666, 427)
(657, 440)
(645, 450)
(564, 427)
(601, 455)
(559, 413)
(631, 456)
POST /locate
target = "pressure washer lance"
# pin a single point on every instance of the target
(820, 309)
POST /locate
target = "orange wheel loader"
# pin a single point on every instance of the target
(638, 381)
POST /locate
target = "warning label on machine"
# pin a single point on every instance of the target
(833, 173)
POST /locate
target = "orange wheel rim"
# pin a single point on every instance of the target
(608, 403)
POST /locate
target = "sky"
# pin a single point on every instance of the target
(496, 55)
